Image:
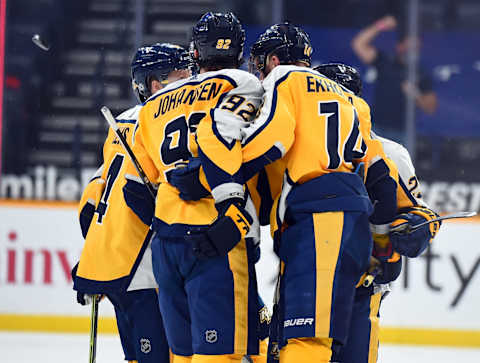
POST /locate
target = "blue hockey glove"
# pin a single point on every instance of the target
(232, 224)
(186, 180)
(389, 271)
(82, 298)
(139, 200)
(412, 242)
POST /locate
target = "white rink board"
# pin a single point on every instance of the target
(425, 297)
(53, 239)
(440, 289)
(424, 302)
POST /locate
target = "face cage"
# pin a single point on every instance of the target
(256, 67)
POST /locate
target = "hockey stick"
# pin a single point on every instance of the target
(375, 268)
(93, 329)
(113, 124)
(402, 227)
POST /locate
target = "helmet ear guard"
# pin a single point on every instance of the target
(288, 42)
(156, 62)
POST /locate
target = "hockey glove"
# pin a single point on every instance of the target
(139, 200)
(232, 224)
(187, 180)
(84, 299)
(389, 271)
(412, 242)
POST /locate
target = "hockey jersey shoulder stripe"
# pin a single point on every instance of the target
(273, 105)
(126, 121)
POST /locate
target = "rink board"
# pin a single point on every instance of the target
(434, 301)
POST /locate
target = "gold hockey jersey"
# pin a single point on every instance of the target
(117, 238)
(204, 112)
(310, 120)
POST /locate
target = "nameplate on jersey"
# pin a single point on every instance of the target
(188, 94)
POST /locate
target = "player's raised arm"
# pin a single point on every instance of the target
(219, 137)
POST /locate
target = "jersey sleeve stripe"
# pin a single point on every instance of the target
(266, 200)
(274, 103)
(250, 168)
(272, 111)
(217, 133)
(407, 193)
(132, 121)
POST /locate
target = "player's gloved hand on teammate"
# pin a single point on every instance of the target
(186, 178)
(412, 242)
(139, 200)
(232, 224)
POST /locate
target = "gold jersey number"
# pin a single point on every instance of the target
(223, 43)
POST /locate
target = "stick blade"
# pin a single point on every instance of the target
(466, 214)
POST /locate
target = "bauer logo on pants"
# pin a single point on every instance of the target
(211, 336)
(297, 322)
(145, 346)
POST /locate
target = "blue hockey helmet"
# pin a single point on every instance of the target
(288, 42)
(156, 62)
(218, 40)
(343, 74)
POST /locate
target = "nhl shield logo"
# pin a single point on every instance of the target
(275, 351)
(211, 336)
(145, 346)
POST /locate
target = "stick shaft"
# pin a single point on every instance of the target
(448, 216)
(113, 124)
(402, 227)
(93, 330)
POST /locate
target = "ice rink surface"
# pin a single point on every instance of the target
(73, 348)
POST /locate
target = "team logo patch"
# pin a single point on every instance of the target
(145, 345)
(211, 336)
(264, 315)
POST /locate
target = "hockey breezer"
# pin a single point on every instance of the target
(111, 121)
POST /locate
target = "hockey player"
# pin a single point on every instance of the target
(322, 204)
(362, 342)
(203, 256)
(116, 258)
(292, 46)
